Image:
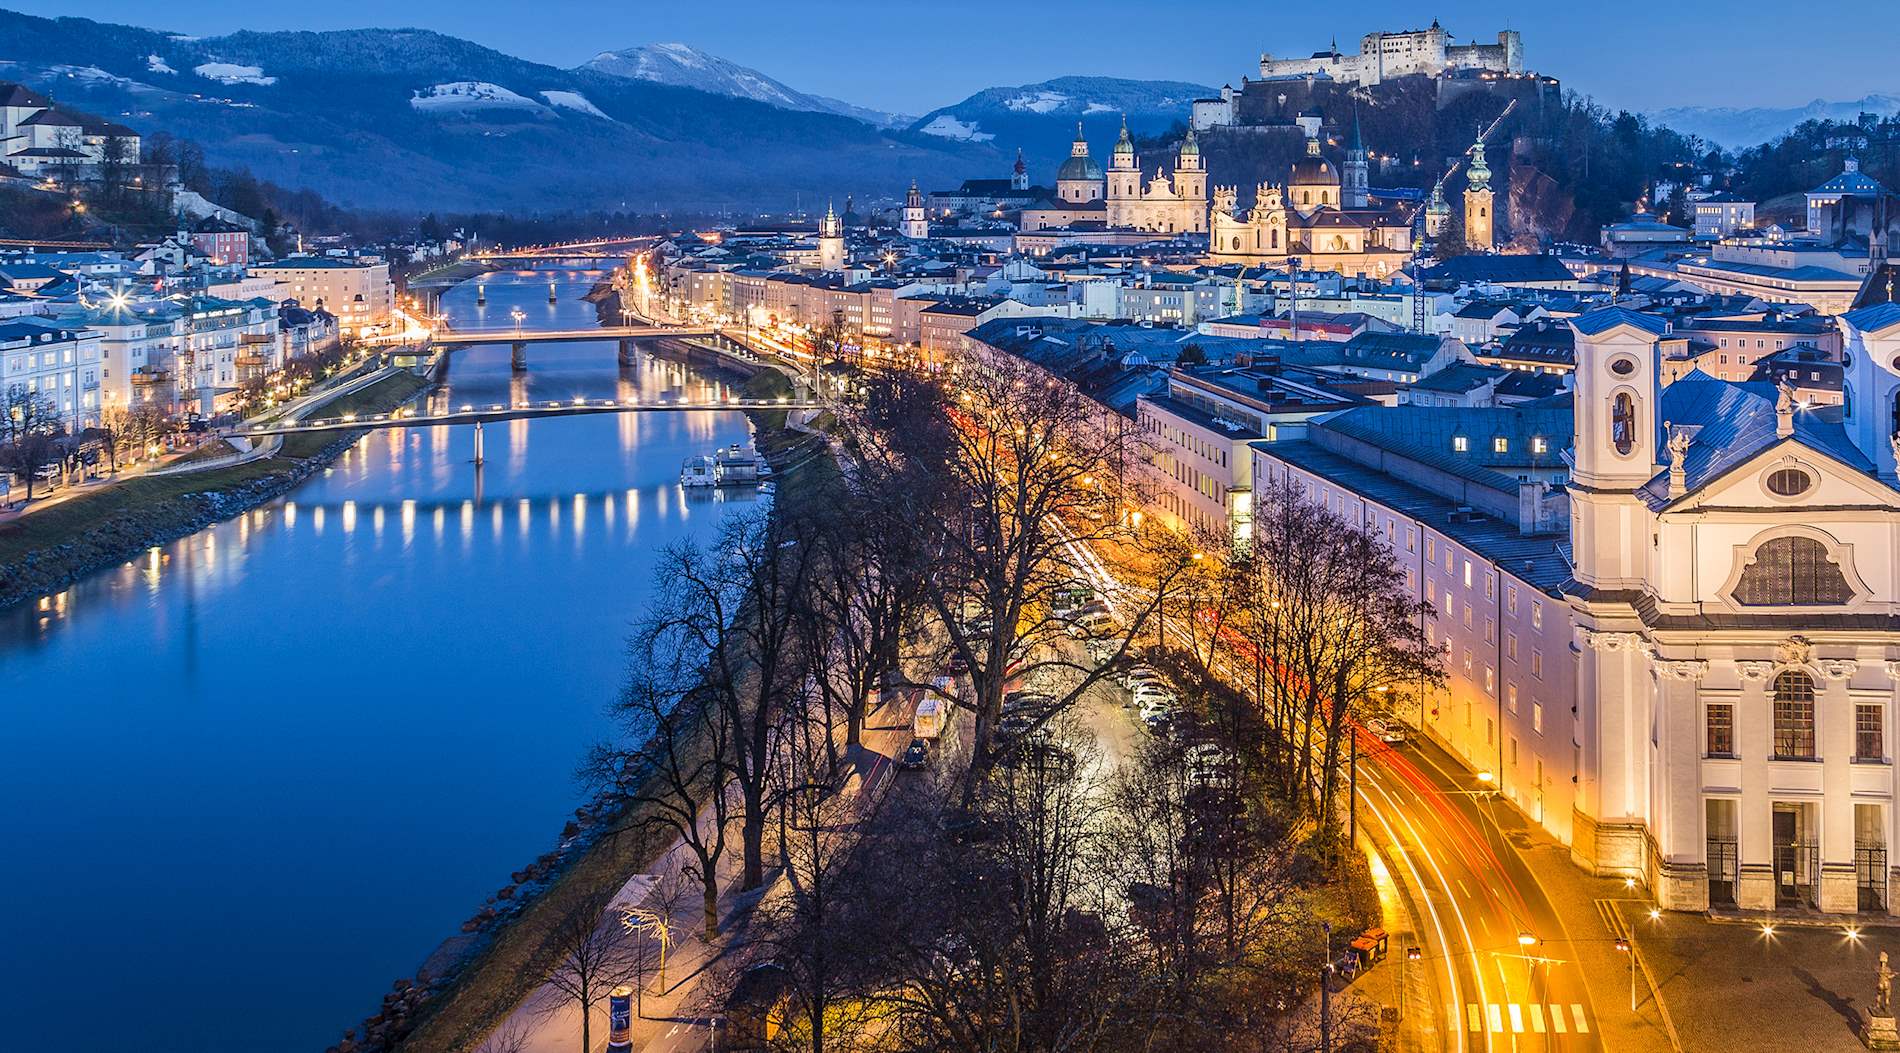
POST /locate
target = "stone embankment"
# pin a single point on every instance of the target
(48, 550)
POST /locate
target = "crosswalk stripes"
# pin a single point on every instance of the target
(1519, 1018)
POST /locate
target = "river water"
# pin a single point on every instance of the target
(252, 777)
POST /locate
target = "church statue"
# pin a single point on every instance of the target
(1883, 988)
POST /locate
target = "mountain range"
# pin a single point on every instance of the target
(685, 66)
(414, 119)
(1736, 127)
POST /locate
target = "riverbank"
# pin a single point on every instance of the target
(472, 983)
(49, 550)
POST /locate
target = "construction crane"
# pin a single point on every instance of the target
(1418, 218)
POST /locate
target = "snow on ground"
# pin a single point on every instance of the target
(464, 95)
(574, 100)
(94, 74)
(1037, 101)
(157, 64)
(1099, 107)
(948, 127)
(232, 73)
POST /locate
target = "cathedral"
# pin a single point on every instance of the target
(1121, 199)
(1324, 216)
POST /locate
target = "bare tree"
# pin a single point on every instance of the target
(673, 768)
(1024, 477)
(736, 604)
(595, 957)
(31, 427)
(1345, 633)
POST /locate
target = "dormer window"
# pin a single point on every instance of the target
(1500, 445)
(1539, 444)
(1460, 444)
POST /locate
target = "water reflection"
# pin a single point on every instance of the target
(336, 723)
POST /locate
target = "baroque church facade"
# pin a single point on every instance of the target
(1737, 616)
(1325, 217)
(1121, 198)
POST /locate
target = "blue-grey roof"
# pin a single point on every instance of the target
(1874, 319)
(1733, 423)
(1425, 434)
(1502, 270)
(1603, 319)
(1535, 559)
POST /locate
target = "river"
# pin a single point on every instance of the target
(252, 777)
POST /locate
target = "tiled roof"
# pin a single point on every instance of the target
(1604, 319)
(1734, 422)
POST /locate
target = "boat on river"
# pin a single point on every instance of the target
(732, 466)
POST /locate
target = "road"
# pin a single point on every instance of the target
(1476, 908)
(1495, 965)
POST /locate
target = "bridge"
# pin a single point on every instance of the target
(519, 339)
(465, 337)
(498, 413)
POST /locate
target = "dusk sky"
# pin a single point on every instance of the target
(911, 56)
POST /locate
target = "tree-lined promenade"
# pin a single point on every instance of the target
(1023, 892)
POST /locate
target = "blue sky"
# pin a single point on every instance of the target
(913, 56)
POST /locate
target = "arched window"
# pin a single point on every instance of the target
(1623, 423)
(1794, 716)
(1275, 235)
(1792, 572)
(1236, 244)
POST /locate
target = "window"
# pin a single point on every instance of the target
(1510, 646)
(1537, 716)
(1869, 744)
(1537, 663)
(1500, 445)
(1460, 444)
(1623, 423)
(1720, 721)
(1794, 716)
(1537, 615)
(1431, 550)
(1467, 615)
(1490, 681)
(1510, 697)
(1467, 574)
(1510, 599)
(1789, 482)
(1792, 572)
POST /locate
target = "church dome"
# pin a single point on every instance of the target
(1080, 167)
(1314, 171)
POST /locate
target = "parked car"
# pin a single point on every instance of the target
(915, 756)
(1015, 724)
(1387, 731)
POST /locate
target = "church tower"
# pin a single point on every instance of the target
(916, 224)
(1618, 446)
(1124, 175)
(1190, 185)
(1019, 176)
(1354, 176)
(831, 241)
(1871, 383)
(1437, 213)
(1479, 236)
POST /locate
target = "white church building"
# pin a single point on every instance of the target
(1675, 643)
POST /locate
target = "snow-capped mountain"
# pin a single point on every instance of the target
(1040, 118)
(1738, 127)
(412, 119)
(685, 66)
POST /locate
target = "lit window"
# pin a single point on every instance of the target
(1500, 445)
(1460, 444)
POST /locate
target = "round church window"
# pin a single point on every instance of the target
(1789, 482)
(1623, 367)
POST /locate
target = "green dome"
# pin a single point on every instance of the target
(1081, 167)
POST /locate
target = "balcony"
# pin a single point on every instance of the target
(143, 377)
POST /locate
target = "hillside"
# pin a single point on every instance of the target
(685, 66)
(1040, 118)
(413, 119)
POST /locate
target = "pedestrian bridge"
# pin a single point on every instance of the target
(466, 337)
(479, 415)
